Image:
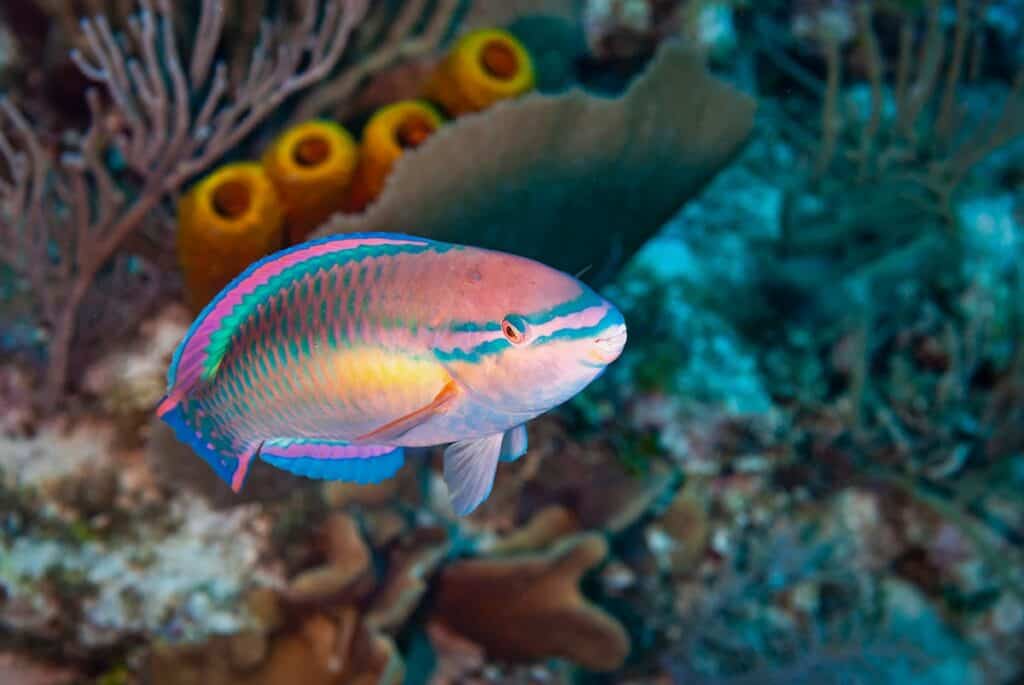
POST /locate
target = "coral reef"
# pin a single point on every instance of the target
(164, 131)
(806, 466)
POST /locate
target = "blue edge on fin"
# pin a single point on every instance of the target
(224, 466)
(362, 470)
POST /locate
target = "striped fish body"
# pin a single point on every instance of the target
(327, 358)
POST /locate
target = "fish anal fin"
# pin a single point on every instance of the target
(469, 468)
(333, 459)
(395, 429)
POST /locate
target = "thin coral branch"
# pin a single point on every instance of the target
(903, 64)
(830, 117)
(947, 114)
(1007, 128)
(211, 23)
(873, 55)
(931, 62)
(396, 47)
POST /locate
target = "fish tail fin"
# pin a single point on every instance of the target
(229, 460)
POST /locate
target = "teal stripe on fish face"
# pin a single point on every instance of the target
(522, 360)
(474, 348)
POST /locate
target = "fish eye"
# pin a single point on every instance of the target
(514, 329)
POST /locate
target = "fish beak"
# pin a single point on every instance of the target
(608, 347)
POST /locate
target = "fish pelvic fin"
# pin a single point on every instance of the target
(469, 468)
(514, 443)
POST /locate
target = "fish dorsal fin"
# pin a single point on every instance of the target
(201, 352)
(469, 468)
(513, 443)
(394, 429)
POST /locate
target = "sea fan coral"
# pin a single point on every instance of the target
(574, 180)
(64, 220)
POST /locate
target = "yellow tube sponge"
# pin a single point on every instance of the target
(388, 134)
(483, 67)
(311, 165)
(228, 220)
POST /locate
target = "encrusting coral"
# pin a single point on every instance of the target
(530, 607)
(311, 165)
(482, 68)
(228, 220)
(574, 180)
(389, 133)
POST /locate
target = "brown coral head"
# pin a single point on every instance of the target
(311, 151)
(529, 608)
(347, 573)
(232, 198)
(499, 60)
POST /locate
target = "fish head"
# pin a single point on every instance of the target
(527, 337)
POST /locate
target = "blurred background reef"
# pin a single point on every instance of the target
(805, 468)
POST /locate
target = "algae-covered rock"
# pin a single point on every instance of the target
(576, 180)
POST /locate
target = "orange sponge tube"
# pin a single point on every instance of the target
(482, 68)
(311, 165)
(229, 219)
(388, 134)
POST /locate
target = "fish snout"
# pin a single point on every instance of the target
(608, 346)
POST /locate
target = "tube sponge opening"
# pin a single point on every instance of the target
(229, 219)
(483, 67)
(388, 134)
(311, 165)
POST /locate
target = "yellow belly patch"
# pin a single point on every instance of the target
(389, 382)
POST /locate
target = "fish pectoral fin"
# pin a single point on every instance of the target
(513, 443)
(469, 468)
(394, 429)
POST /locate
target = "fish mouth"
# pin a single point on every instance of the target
(607, 347)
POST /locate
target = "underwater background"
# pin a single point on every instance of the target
(806, 466)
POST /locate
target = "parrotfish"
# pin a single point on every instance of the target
(328, 358)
